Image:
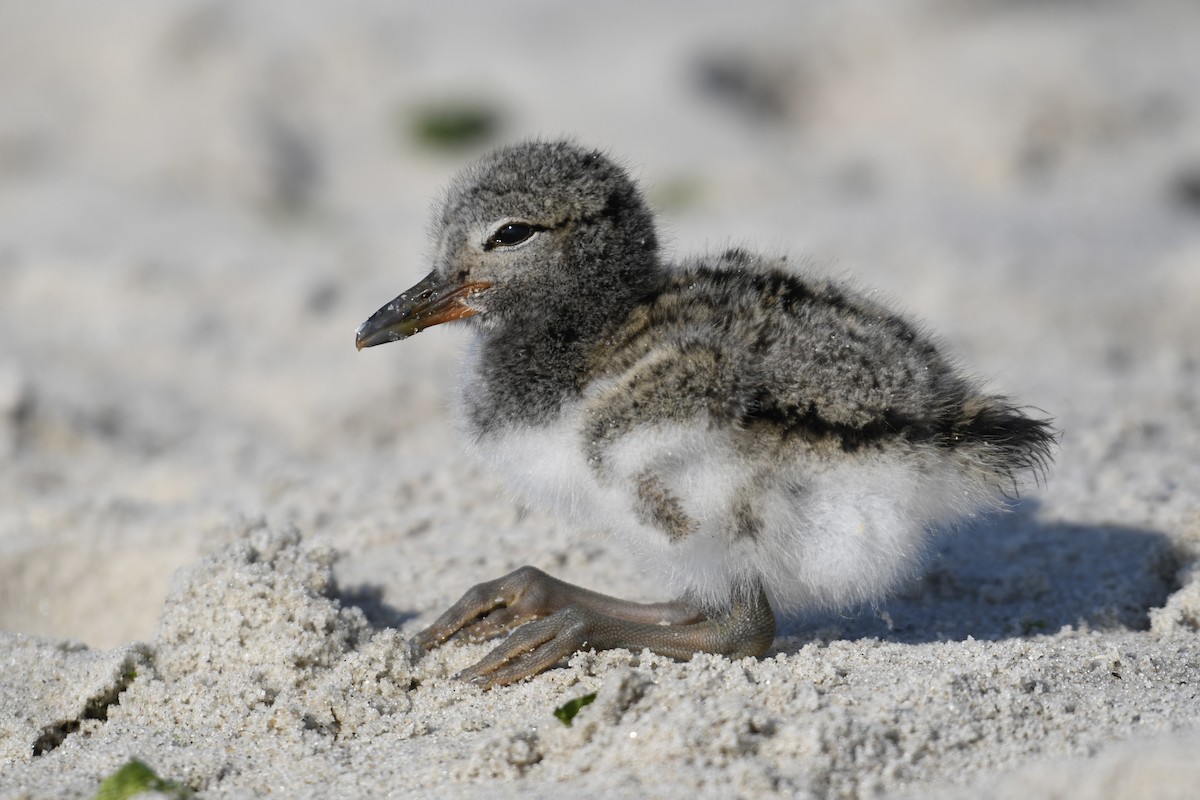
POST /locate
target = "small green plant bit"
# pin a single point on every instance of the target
(454, 125)
(134, 778)
(567, 711)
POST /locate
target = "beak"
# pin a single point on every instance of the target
(431, 302)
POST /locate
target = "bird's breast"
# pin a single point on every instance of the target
(547, 464)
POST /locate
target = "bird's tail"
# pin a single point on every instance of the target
(1006, 440)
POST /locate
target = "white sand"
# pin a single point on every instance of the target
(218, 523)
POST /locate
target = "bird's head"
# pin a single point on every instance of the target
(530, 230)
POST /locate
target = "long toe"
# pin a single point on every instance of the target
(493, 608)
(497, 623)
(531, 649)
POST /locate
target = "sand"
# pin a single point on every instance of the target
(219, 523)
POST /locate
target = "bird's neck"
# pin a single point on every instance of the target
(521, 373)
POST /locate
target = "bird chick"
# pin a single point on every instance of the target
(767, 440)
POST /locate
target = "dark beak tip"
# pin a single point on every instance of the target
(363, 341)
(382, 329)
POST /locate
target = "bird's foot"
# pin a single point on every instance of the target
(554, 619)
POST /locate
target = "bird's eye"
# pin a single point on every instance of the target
(512, 233)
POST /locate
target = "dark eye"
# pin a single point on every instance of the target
(512, 233)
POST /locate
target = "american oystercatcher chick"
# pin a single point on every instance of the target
(767, 440)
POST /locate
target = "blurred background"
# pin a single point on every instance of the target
(199, 202)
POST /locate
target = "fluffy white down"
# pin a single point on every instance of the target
(835, 531)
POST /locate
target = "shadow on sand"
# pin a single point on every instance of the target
(368, 598)
(1011, 576)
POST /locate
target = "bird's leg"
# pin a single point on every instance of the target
(493, 608)
(557, 618)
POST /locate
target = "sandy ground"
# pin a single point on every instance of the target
(218, 523)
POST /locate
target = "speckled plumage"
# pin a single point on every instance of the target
(746, 428)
